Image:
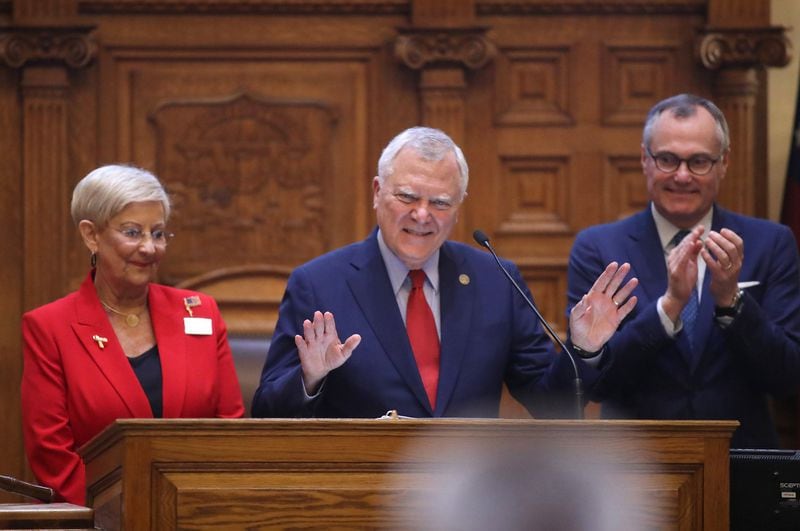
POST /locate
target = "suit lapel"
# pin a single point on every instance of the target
(647, 256)
(372, 290)
(456, 300)
(92, 322)
(650, 267)
(167, 312)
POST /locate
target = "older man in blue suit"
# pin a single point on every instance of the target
(717, 329)
(437, 325)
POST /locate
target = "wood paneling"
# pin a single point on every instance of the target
(11, 280)
(44, 91)
(265, 119)
(636, 75)
(536, 90)
(259, 153)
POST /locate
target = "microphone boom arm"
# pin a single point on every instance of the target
(483, 241)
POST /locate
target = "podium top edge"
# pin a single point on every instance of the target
(125, 428)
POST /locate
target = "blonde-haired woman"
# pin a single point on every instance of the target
(121, 346)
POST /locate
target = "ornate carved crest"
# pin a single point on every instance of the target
(469, 47)
(70, 45)
(723, 47)
(248, 179)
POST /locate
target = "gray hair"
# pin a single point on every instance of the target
(684, 106)
(430, 144)
(107, 190)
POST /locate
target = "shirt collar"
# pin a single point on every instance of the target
(666, 230)
(398, 272)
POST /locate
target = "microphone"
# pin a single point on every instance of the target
(483, 241)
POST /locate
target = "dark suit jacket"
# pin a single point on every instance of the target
(72, 389)
(645, 374)
(488, 335)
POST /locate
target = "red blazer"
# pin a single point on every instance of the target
(72, 388)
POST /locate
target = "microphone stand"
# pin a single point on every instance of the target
(483, 241)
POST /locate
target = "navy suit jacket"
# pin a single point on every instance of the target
(488, 335)
(645, 374)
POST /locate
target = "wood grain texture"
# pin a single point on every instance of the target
(259, 474)
(46, 516)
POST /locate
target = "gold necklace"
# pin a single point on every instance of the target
(131, 319)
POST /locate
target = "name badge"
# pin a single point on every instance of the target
(197, 326)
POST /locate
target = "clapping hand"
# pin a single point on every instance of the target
(724, 255)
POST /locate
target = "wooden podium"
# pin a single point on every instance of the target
(265, 473)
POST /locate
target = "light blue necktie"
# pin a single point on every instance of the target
(689, 312)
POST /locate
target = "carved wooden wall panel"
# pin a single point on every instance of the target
(625, 191)
(571, 90)
(260, 156)
(634, 77)
(254, 170)
(548, 284)
(535, 87)
(534, 195)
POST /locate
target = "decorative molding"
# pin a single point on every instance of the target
(422, 47)
(535, 195)
(590, 7)
(37, 12)
(625, 186)
(548, 287)
(743, 47)
(736, 92)
(533, 87)
(269, 7)
(72, 46)
(45, 166)
(634, 76)
(245, 166)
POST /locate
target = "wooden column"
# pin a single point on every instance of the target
(41, 45)
(44, 54)
(737, 44)
(442, 53)
(44, 142)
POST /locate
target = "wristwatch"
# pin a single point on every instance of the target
(732, 310)
(586, 354)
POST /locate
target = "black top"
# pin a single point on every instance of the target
(147, 367)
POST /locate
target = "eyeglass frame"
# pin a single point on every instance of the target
(681, 161)
(140, 238)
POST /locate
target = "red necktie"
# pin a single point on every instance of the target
(422, 334)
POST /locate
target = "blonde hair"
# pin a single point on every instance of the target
(107, 190)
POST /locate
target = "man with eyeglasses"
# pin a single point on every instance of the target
(717, 327)
(432, 327)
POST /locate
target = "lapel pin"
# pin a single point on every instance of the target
(101, 341)
(464, 279)
(191, 302)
